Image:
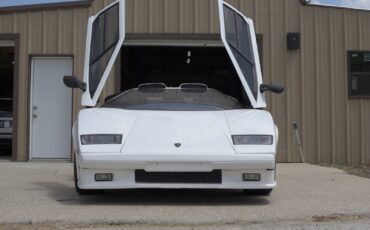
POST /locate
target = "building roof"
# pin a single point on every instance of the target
(12, 5)
(353, 4)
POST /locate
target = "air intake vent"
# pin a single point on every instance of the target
(214, 177)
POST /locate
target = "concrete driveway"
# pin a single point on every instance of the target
(42, 194)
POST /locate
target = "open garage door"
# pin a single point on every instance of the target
(174, 65)
(7, 51)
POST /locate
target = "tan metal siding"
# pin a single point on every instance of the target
(172, 16)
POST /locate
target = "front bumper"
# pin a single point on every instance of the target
(123, 169)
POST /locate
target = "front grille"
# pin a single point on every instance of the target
(214, 177)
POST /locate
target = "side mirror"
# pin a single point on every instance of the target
(273, 88)
(74, 83)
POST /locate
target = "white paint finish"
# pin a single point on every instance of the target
(149, 138)
(148, 143)
(102, 121)
(183, 163)
(91, 100)
(260, 101)
(156, 132)
(252, 122)
(51, 108)
(231, 179)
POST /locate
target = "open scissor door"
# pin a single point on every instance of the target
(238, 36)
(105, 36)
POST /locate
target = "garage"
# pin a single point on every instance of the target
(319, 53)
(7, 62)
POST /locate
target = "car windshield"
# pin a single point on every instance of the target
(173, 99)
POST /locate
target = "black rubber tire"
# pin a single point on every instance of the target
(257, 192)
(79, 190)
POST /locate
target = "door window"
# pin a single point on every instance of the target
(105, 36)
(238, 37)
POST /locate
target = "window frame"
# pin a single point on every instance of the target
(349, 75)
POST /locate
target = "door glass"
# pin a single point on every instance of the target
(238, 37)
(230, 27)
(112, 29)
(105, 36)
(244, 41)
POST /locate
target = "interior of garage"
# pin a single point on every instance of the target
(6, 100)
(178, 64)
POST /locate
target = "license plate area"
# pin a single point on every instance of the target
(214, 177)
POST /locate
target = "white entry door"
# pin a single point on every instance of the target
(51, 108)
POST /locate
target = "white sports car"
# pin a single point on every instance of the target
(173, 132)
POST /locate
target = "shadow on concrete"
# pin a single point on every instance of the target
(177, 197)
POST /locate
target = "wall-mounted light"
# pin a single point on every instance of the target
(188, 60)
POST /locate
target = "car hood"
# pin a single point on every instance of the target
(171, 132)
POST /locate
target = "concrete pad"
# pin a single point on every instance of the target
(40, 192)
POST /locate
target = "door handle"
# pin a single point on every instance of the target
(34, 108)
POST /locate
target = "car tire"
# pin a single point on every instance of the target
(257, 192)
(78, 189)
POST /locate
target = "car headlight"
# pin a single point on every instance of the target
(252, 139)
(101, 139)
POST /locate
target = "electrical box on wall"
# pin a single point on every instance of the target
(359, 85)
(294, 41)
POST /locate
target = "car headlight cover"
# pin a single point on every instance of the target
(252, 139)
(101, 139)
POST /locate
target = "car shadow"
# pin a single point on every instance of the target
(177, 197)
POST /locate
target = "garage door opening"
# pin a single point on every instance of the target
(6, 98)
(176, 65)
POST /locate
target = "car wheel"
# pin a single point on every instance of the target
(79, 190)
(257, 192)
